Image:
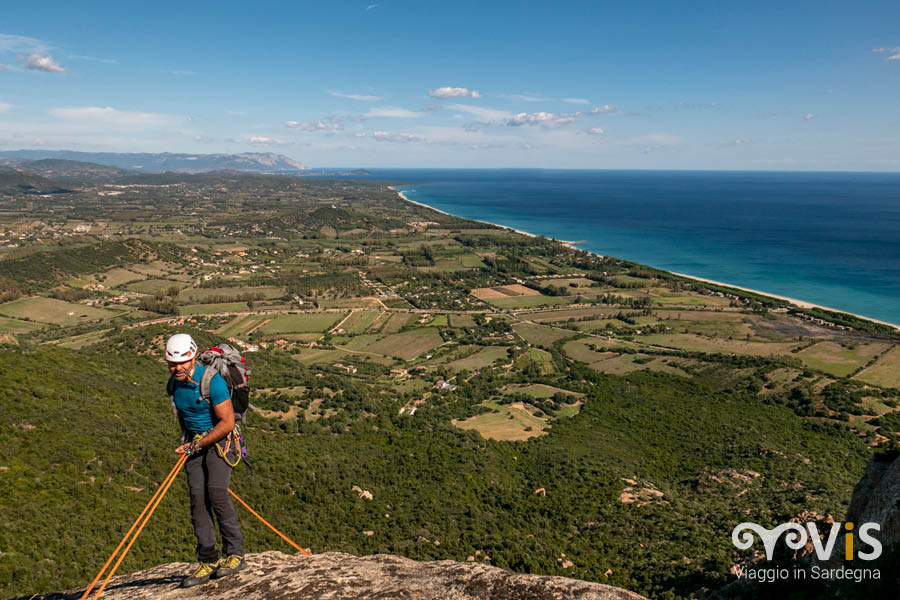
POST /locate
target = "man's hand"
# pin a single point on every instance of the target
(188, 448)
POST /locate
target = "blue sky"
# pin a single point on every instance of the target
(382, 83)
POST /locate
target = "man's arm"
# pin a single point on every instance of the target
(224, 426)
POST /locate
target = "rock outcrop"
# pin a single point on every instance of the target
(875, 499)
(338, 576)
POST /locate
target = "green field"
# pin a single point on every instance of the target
(885, 372)
(314, 356)
(117, 277)
(837, 360)
(540, 358)
(8, 325)
(538, 390)
(155, 286)
(409, 344)
(695, 343)
(359, 321)
(462, 321)
(539, 334)
(573, 313)
(529, 301)
(398, 321)
(513, 422)
(201, 294)
(57, 312)
(480, 359)
(205, 309)
(301, 323)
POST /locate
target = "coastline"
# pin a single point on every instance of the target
(795, 301)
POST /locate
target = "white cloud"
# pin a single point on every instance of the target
(111, 116)
(313, 126)
(482, 113)
(525, 97)
(809, 117)
(544, 119)
(403, 138)
(604, 110)
(400, 113)
(4, 107)
(181, 73)
(36, 62)
(595, 131)
(359, 134)
(21, 43)
(106, 61)
(453, 92)
(894, 52)
(259, 139)
(362, 97)
(371, 6)
(575, 100)
(735, 142)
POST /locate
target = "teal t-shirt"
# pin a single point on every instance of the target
(198, 416)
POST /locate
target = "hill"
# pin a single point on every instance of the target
(259, 162)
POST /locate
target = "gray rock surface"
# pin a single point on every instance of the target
(338, 576)
(875, 499)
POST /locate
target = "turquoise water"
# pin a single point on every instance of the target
(827, 238)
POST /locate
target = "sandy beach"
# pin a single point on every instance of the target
(795, 301)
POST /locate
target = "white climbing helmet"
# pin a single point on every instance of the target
(180, 347)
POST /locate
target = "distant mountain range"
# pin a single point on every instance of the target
(254, 162)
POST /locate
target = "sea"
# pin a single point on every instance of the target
(829, 238)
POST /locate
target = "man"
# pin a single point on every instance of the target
(208, 473)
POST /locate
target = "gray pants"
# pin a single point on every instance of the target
(208, 476)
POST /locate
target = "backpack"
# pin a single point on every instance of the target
(227, 362)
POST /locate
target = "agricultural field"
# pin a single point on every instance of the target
(504, 291)
(540, 358)
(397, 321)
(550, 316)
(56, 312)
(885, 372)
(315, 356)
(838, 360)
(540, 334)
(664, 297)
(158, 269)
(349, 303)
(484, 357)
(462, 321)
(301, 323)
(358, 321)
(530, 301)
(409, 344)
(8, 325)
(509, 423)
(197, 295)
(116, 277)
(696, 343)
(538, 390)
(205, 309)
(155, 286)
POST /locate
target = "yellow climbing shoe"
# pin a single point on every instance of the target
(200, 575)
(230, 564)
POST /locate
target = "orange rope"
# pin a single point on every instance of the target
(164, 489)
(171, 475)
(255, 514)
